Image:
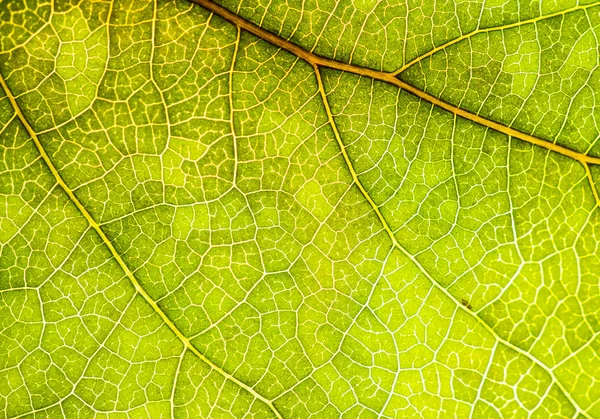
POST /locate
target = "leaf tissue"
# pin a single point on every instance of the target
(299, 209)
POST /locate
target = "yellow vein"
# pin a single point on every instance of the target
(116, 255)
(390, 78)
(588, 172)
(492, 29)
(231, 110)
(435, 283)
(342, 147)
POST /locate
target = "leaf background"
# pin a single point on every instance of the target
(197, 223)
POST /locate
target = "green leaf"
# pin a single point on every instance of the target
(299, 209)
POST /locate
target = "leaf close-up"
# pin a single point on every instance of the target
(299, 209)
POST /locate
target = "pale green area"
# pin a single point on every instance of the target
(213, 169)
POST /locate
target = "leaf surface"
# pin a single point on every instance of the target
(299, 209)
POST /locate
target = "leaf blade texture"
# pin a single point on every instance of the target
(293, 209)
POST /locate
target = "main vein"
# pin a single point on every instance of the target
(396, 244)
(390, 78)
(118, 257)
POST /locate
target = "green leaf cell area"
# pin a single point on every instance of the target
(299, 209)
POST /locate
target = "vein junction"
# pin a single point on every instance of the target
(391, 78)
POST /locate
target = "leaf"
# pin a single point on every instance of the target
(293, 209)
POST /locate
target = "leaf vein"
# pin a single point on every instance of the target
(139, 289)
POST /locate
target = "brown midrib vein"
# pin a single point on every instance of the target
(389, 78)
(139, 289)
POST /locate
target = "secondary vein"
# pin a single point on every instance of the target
(397, 245)
(491, 29)
(139, 289)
